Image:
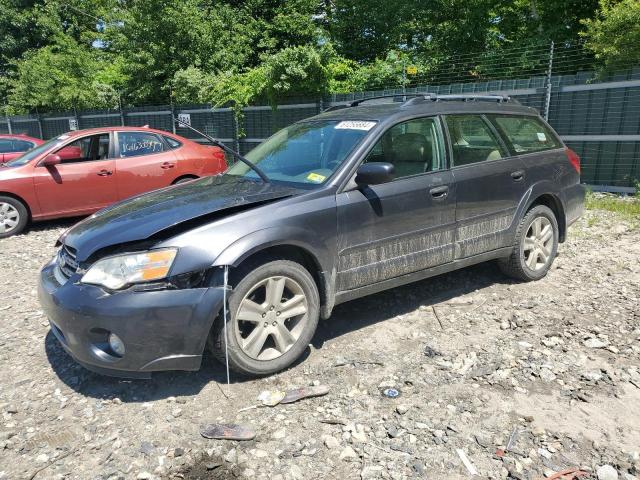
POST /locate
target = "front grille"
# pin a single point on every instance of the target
(67, 261)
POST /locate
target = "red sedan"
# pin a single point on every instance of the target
(81, 172)
(12, 146)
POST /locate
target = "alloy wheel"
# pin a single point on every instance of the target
(271, 318)
(538, 243)
(9, 217)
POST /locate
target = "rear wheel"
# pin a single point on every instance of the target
(536, 246)
(13, 216)
(273, 314)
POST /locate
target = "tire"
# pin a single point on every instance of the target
(14, 216)
(278, 350)
(520, 264)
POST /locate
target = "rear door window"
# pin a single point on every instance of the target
(134, 144)
(473, 140)
(526, 134)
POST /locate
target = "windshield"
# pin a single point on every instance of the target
(304, 153)
(35, 152)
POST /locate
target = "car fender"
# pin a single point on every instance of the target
(259, 240)
(542, 187)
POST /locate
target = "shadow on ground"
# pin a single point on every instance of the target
(346, 318)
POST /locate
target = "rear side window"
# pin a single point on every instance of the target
(172, 142)
(526, 134)
(134, 144)
(22, 145)
(473, 140)
(8, 145)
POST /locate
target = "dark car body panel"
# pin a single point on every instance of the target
(146, 215)
(359, 239)
(148, 320)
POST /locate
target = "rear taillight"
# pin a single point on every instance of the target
(574, 159)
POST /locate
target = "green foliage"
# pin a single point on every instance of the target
(627, 206)
(614, 34)
(66, 75)
(92, 53)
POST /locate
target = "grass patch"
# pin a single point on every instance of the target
(629, 206)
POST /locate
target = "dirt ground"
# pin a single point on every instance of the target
(516, 380)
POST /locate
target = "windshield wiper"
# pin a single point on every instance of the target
(229, 150)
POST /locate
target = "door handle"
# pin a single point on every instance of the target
(166, 165)
(518, 175)
(439, 193)
(104, 173)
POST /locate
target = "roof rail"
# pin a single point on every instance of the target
(355, 103)
(489, 97)
(417, 98)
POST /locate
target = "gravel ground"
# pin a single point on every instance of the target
(519, 380)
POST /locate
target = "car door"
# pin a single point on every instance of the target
(489, 185)
(83, 182)
(143, 162)
(403, 226)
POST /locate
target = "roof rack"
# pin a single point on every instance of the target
(489, 97)
(355, 103)
(417, 98)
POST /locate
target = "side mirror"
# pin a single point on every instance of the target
(374, 173)
(51, 160)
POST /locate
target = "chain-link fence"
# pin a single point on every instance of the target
(597, 117)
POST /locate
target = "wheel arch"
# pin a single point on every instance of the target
(287, 244)
(185, 177)
(554, 203)
(21, 200)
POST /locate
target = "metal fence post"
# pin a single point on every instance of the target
(120, 110)
(39, 124)
(236, 132)
(547, 103)
(9, 123)
(173, 114)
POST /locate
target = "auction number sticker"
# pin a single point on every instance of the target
(355, 125)
(184, 120)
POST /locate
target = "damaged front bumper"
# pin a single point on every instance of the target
(161, 329)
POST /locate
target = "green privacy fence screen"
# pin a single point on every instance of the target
(598, 118)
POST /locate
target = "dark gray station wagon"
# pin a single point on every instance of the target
(335, 207)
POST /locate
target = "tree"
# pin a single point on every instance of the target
(614, 35)
(64, 75)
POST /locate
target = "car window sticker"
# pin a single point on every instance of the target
(355, 125)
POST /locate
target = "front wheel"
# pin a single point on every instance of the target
(273, 314)
(536, 246)
(13, 216)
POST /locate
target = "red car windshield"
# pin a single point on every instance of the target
(29, 155)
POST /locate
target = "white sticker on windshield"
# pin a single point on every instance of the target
(355, 125)
(542, 137)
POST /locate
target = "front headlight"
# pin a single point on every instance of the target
(118, 271)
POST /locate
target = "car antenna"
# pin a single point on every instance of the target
(229, 150)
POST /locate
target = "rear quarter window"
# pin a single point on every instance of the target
(172, 142)
(526, 134)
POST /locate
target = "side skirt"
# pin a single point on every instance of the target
(348, 295)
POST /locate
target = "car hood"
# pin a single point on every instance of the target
(141, 217)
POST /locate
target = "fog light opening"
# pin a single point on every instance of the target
(116, 345)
